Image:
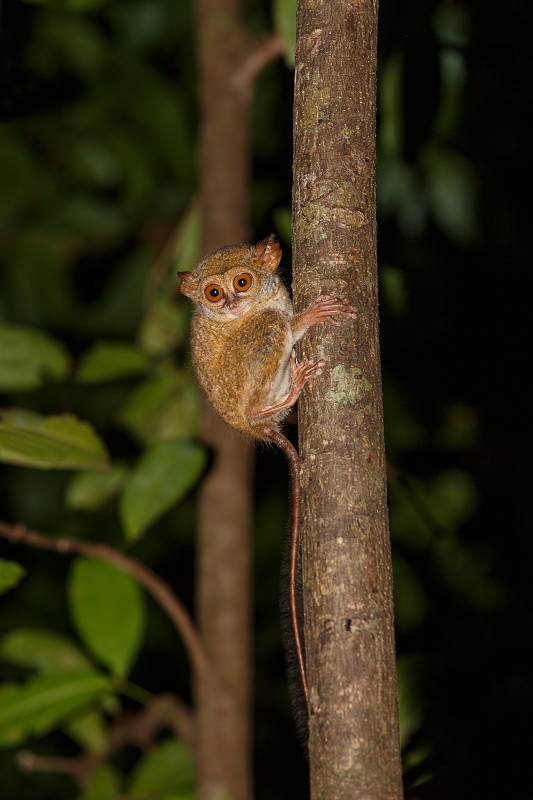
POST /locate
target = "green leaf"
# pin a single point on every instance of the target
(400, 193)
(42, 650)
(453, 79)
(110, 361)
(452, 496)
(451, 25)
(71, 5)
(189, 795)
(75, 44)
(164, 475)
(391, 110)
(393, 288)
(167, 769)
(284, 17)
(137, 175)
(10, 574)
(403, 430)
(39, 265)
(283, 222)
(155, 109)
(83, 5)
(47, 700)
(28, 358)
(451, 187)
(60, 442)
(410, 602)
(7, 692)
(163, 326)
(411, 714)
(121, 298)
(93, 162)
(107, 607)
(88, 491)
(104, 784)
(162, 408)
(20, 417)
(91, 218)
(187, 246)
(16, 164)
(89, 730)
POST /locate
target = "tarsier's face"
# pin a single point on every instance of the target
(227, 283)
(230, 294)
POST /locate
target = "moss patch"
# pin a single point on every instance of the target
(348, 386)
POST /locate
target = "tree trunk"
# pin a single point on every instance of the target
(223, 544)
(349, 635)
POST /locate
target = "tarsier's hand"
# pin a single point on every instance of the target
(324, 308)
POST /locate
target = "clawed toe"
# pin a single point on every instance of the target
(301, 373)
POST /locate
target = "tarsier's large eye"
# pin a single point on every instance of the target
(242, 282)
(214, 292)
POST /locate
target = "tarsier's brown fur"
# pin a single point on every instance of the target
(243, 334)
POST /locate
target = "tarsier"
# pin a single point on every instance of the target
(243, 334)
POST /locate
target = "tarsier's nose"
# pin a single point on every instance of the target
(232, 300)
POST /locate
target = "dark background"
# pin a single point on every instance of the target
(97, 147)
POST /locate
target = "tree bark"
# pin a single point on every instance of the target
(349, 633)
(223, 543)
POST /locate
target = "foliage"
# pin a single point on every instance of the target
(108, 611)
(93, 367)
(61, 441)
(10, 574)
(166, 772)
(28, 357)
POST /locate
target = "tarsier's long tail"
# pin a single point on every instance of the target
(294, 463)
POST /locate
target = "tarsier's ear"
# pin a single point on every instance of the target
(188, 284)
(269, 253)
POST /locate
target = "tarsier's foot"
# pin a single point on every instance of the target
(324, 308)
(300, 374)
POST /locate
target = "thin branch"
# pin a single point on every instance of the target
(78, 767)
(139, 729)
(154, 585)
(266, 52)
(177, 715)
